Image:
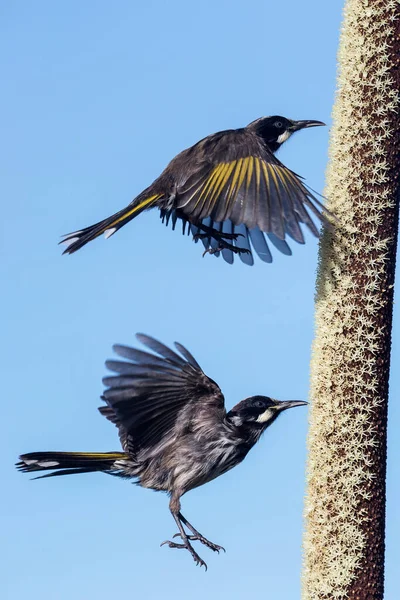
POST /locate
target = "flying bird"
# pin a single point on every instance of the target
(230, 191)
(173, 426)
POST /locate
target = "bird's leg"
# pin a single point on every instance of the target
(211, 232)
(220, 237)
(197, 535)
(175, 507)
(222, 245)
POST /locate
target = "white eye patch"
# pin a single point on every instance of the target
(283, 137)
(266, 415)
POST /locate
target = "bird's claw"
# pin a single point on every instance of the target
(203, 540)
(172, 544)
(195, 556)
(223, 236)
(211, 251)
(231, 236)
(234, 249)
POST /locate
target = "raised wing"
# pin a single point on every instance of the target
(241, 187)
(146, 397)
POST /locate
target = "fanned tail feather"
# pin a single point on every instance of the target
(67, 463)
(77, 239)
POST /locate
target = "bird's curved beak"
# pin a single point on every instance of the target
(297, 125)
(284, 405)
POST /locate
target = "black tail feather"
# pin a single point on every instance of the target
(68, 463)
(75, 240)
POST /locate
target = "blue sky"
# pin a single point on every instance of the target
(97, 98)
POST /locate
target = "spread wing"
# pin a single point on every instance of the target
(239, 186)
(150, 390)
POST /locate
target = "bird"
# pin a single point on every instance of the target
(229, 191)
(175, 432)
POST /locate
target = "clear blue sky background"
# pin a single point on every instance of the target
(96, 98)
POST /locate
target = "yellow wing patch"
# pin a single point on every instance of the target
(248, 174)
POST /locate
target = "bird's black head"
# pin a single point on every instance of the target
(259, 411)
(276, 130)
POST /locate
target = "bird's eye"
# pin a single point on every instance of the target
(278, 124)
(259, 404)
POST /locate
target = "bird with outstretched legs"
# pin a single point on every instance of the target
(173, 426)
(230, 191)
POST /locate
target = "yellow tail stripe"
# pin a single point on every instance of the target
(132, 211)
(103, 455)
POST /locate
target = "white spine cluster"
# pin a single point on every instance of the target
(344, 367)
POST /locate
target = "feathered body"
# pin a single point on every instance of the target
(175, 432)
(229, 190)
(208, 447)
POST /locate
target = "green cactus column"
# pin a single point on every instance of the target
(345, 500)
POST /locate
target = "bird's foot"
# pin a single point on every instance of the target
(189, 547)
(203, 540)
(225, 246)
(221, 235)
